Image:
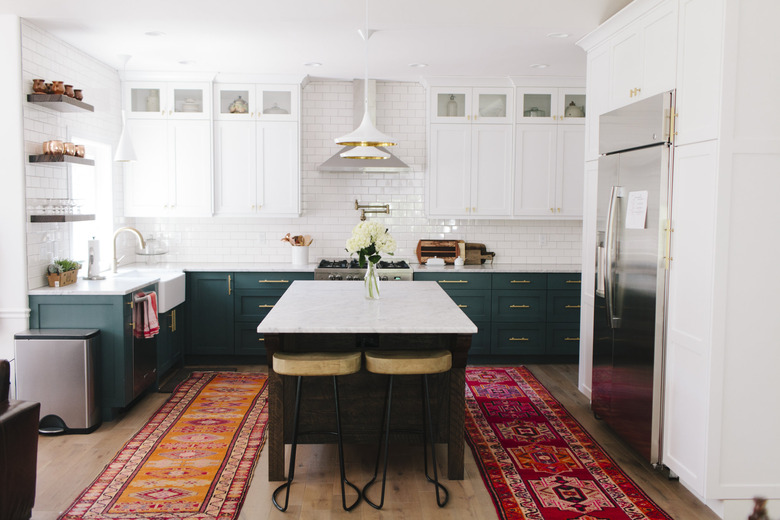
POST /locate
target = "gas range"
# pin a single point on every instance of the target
(349, 269)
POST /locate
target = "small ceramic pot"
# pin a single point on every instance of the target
(53, 147)
(78, 95)
(69, 90)
(70, 148)
(80, 150)
(57, 87)
(48, 88)
(39, 86)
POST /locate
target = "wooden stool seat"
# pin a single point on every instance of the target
(408, 362)
(316, 363)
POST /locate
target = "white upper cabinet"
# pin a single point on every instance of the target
(643, 56)
(471, 105)
(550, 105)
(598, 98)
(261, 102)
(167, 100)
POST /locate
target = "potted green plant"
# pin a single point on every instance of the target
(62, 271)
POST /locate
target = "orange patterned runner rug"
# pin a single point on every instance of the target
(193, 459)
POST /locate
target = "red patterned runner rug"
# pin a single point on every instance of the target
(537, 461)
(193, 459)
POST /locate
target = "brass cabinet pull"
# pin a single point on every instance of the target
(273, 281)
(229, 285)
(520, 281)
(462, 306)
(519, 339)
(571, 339)
(519, 306)
(453, 281)
(573, 281)
(172, 326)
(266, 306)
(572, 307)
(263, 339)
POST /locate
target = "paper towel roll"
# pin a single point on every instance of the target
(93, 267)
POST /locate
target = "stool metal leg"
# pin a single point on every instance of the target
(291, 470)
(386, 433)
(341, 455)
(428, 429)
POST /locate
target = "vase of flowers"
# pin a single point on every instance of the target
(370, 240)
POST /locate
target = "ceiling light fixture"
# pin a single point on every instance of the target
(557, 35)
(154, 34)
(418, 65)
(539, 66)
(364, 152)
(313, 64)
(124, 149)
(366, 135)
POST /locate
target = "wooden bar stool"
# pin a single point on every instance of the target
(408, 362)
(308, 364)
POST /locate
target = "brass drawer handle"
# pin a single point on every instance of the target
(519, 306)
(573, 281)
(453, 281)
(263, 339)
(571, 339)
(462, 306)
(520, 281)
(572, 307)
(229, 286)
(273, 281)
(265, 306)
(519, 339)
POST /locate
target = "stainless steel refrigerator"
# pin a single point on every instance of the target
(634, 197)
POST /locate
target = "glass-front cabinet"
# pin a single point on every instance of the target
(261, 102)
(165, 100)
(551, 105)
(471, 105)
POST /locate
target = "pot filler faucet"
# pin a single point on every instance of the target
(137, 233)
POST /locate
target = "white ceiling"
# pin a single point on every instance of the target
(491, 38)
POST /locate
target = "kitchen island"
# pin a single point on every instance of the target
(335, 316)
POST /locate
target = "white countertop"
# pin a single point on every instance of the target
(336, 307)
(112, 286)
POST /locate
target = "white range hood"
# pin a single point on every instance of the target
(341, 164)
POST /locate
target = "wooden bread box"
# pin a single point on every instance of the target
(449, 250)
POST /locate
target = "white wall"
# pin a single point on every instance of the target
(328, 198)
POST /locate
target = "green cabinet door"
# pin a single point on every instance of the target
(170, 341)
(210, 313)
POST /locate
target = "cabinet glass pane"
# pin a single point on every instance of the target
(451, 105)
(537, 105)
(144, 99)
(575, 105)
(233, 101)
(492, 105)
(277, 102)
(187, 100)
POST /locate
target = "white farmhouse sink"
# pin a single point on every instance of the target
(170, 287)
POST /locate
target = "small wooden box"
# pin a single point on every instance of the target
(65, 278)
(447, 250)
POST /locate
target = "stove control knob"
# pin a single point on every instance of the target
(338, 277)
(349, 277)
(383, 278)
(331, 276)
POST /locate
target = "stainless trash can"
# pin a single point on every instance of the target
(57, 368)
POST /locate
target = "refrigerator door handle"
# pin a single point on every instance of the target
(611, 257)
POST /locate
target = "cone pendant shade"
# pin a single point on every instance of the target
(364, 152)
(124, 149)
(366, 135)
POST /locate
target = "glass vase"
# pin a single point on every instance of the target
(371, 282)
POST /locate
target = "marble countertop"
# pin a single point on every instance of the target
(335, 307)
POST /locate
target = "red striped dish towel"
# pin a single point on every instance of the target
(145, 318)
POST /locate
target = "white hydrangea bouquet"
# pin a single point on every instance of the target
(370, 240)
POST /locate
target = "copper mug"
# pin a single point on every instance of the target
(77, 94)
(80, 150)
(57, 87)
(69, 90)
(53, 147)
(70, 148)
(39, 86)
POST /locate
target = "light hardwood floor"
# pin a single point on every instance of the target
(68, 464)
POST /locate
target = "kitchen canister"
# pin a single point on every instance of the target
(300, 255)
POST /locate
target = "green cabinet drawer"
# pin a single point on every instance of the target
(480, 342)
(273, 280)
(255, 304)
(520, 281)
(564, 281)
(475, 304)
(249, 341)
(563, 306)
(457, 280)
(519, 306)
(514, 339)
(563, 338)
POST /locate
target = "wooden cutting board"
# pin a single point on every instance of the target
(447, 250)
(477, 254)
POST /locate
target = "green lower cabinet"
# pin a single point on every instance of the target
(210, 316)
(563, 338)
(248, 341)
(519, 306)
(480, 342)
(563, 306)
(170, 341)
(518, 338)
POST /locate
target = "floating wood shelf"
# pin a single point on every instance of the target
(60, 102)
(61, 218)
(56, 160)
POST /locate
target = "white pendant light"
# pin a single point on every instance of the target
(124, 149)
(364, 152)
(366, 135)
